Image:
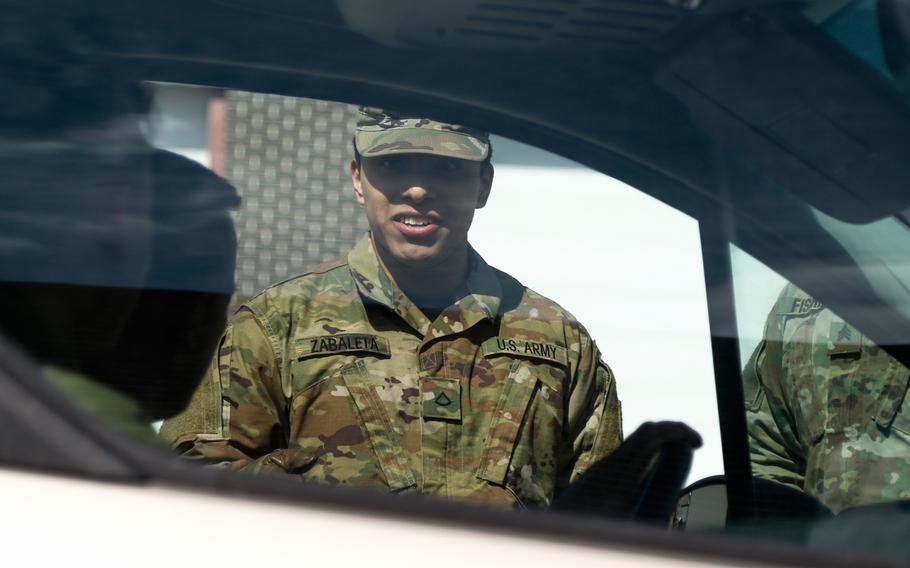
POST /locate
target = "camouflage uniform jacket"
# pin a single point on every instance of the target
(337, 377)
(825, 408)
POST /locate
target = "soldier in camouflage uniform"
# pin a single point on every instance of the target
(409, 365)
(825, 408)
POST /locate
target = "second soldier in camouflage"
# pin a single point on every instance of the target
(826, 408)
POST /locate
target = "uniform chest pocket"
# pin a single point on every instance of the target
(342, 424)
(822, 364)
(520, 447)
(901, 420)
(892, 410)
(840, 380)
(506, 423)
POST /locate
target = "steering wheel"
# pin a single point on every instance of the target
(640, 481)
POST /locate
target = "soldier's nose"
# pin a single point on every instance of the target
(416, 193)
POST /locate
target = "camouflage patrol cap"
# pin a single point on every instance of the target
(382, 132)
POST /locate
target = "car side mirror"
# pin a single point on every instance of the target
(702, 506)
(778, 510)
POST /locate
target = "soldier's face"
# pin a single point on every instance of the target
(420, 207)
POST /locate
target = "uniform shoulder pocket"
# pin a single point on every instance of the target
(203, 417)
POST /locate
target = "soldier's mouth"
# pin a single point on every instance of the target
(415, 224)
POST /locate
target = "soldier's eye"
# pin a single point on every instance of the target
(447, 166)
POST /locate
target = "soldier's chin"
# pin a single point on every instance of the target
(417, 256)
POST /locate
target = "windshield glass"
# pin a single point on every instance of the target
(611, 251)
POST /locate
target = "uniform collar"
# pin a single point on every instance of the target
(479, 297)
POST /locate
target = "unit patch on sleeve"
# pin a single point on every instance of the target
(525, 348)
(342, 343)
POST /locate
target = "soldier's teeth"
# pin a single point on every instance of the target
(414, 222)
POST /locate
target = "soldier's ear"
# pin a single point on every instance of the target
(356, 180)
(486, 184)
